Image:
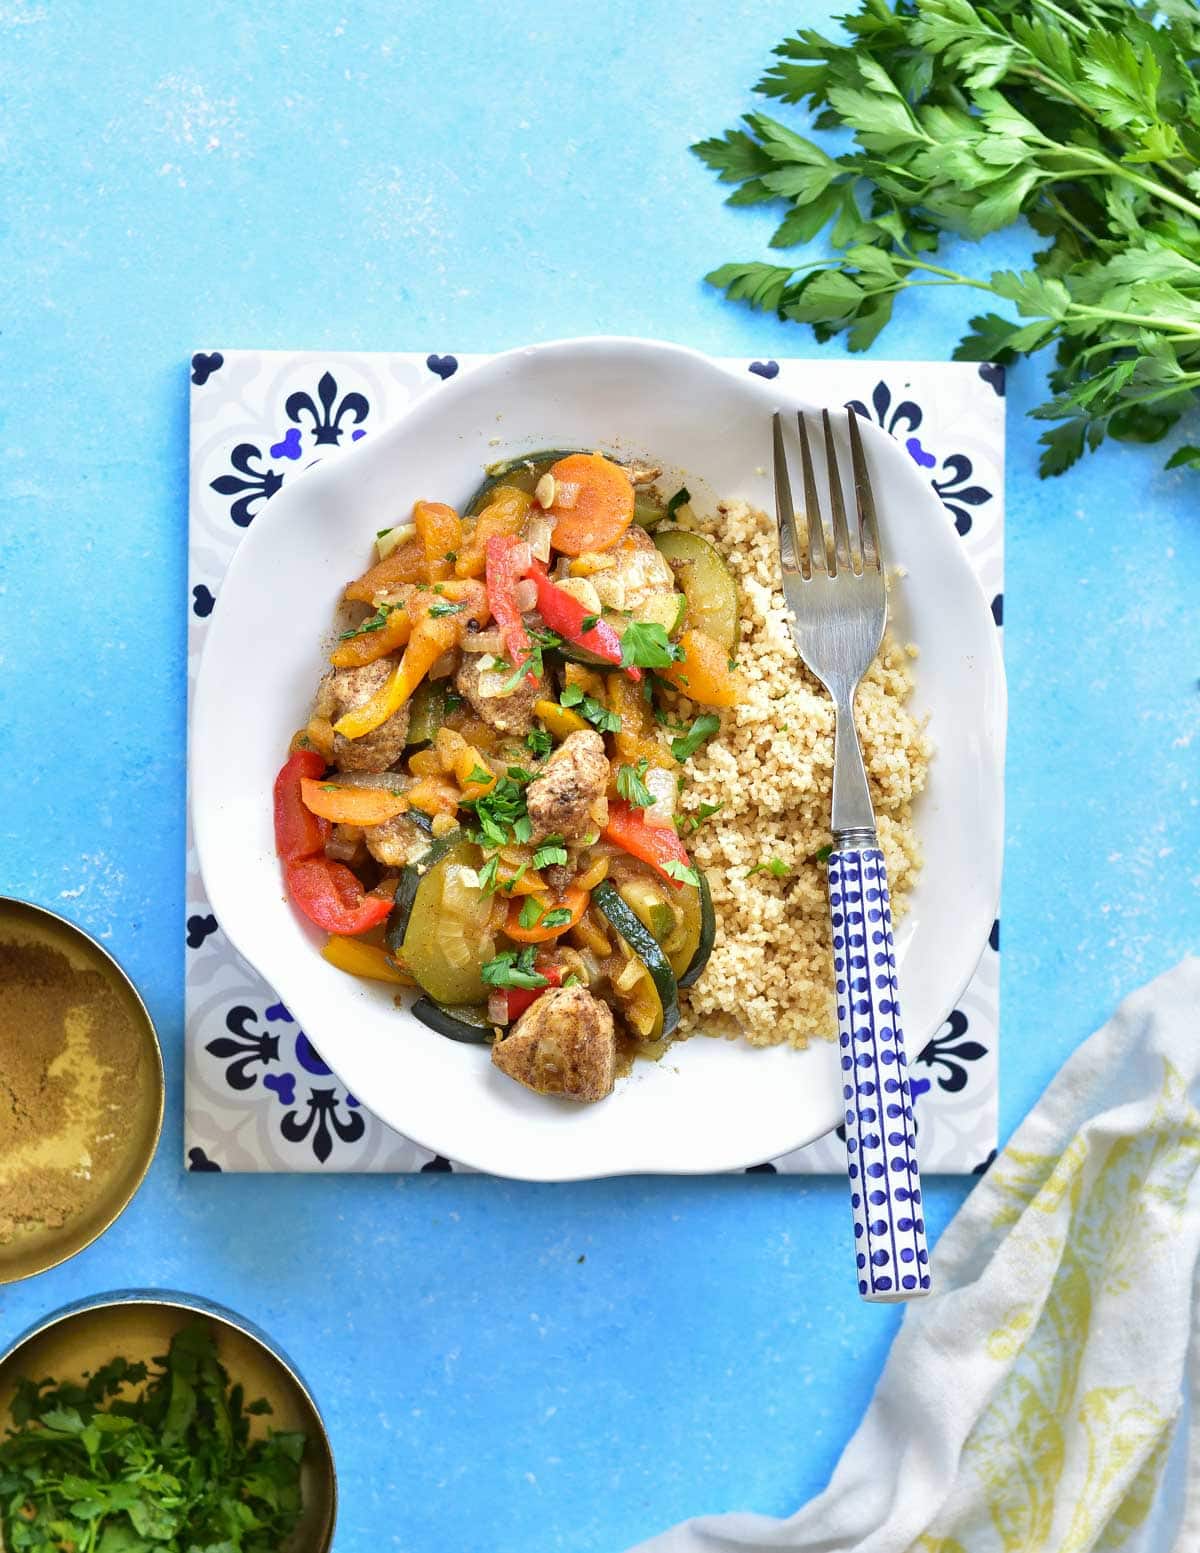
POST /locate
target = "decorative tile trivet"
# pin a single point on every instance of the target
(259, 1098)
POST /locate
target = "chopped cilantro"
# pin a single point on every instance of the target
(632, 788)
(703, 728)
(510, 969)
(645, 645)
(375, 622)
(681, 497)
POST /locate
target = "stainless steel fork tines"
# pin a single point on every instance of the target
(833, 582)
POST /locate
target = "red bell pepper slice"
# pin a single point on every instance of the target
(330, 895)
(519, 998)
(298, 831)
(563, 613)
(502, 575)
(653, 844)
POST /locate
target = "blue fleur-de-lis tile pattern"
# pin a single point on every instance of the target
(259, 1094)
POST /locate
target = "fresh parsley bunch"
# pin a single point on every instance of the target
(171, 1469)
(1083, 116)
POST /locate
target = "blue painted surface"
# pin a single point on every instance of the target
(502, 1366)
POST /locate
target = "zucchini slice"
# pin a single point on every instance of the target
(708, 933)
(523, 472)
(427, 712)
(440, 923)
(659, 980)
(707, 583)
(464, 1023)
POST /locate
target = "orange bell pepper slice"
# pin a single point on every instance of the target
(703, 673)
(429, 640)
(574, 901)
(504, 514)
(352, 805)
(440, 533)
(405, 564)
(603, 506)
(369, 645)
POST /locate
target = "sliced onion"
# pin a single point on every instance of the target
(629, 977)
(340, 847)
(539, 532)
(665, 788)
(525, 595)
(566, 494)
(441, 667)
(495, 683)
(591, 966)
(390, 781)
(389, 541)
(522, 558)
(497, 1007)
(490, 642)
(562, 567)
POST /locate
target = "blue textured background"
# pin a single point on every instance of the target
(459, 176)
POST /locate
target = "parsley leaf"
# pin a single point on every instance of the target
(478, 774)
(645, 645)
(550, 851)
(530, 911)
(822, 854)
(632, 788)
(703, 728)
(589, 623)
(510, 969)
(962, 120)
(437, 611)
(487, 874)
(375, 622)
(594, 711)
(776, 867)
(539, 743)
(693, 822)
(680, 499)
(682, 872)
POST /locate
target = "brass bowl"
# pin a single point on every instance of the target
(139, 1324)
(35, 1251)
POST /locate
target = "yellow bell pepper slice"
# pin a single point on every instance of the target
(429, 640)
(558, 720)
(703, 673)
(366, 960)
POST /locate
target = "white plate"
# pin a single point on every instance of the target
(710, 1105)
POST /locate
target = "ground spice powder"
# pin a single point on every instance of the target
(70, 1053)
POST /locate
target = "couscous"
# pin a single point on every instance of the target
(770, 768)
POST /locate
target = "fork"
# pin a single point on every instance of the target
(838, 603)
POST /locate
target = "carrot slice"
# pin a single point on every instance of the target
(574, 901)
(602, 508)
(351, 805)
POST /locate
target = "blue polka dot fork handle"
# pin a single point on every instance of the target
(834, 586)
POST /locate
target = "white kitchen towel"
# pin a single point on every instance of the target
(1044, 1399)
(259, 1096)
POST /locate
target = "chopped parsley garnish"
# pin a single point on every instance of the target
(501, 815)
(588, 707)
(645, 645)
(510, 969)
(589, 623)
(776, 867)
(693, 822)
(559, 917)
(438, 611)
(375, 622)
(531, 914)
(632, 788)
(519, 774)
(523, 829)
(380, 532)
(571, 981)
(550, 851)
(677, 870)
(451, 556)
(487, 874)
(539, 743)
(530, 911)
(542, 642)
(453, 700)
(703, 728)
(822, 854)
(680, 499)
(478, 774)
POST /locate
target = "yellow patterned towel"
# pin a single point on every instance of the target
(1039, 1402)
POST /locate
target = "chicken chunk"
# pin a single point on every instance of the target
(512, 713)
(639, 572)
(571, 795)
(396, 842)
(563, 1044)
(345, 690)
